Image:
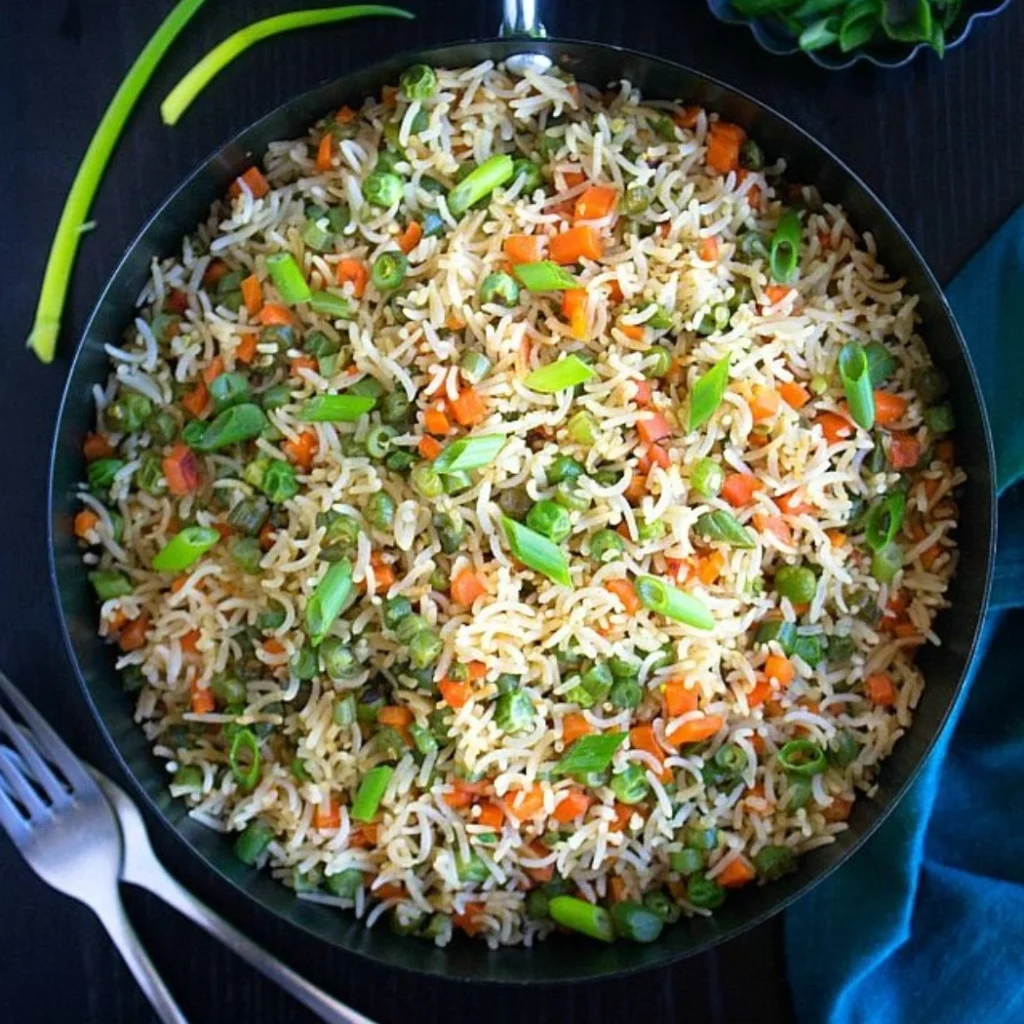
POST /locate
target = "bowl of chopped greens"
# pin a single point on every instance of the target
(836, 34)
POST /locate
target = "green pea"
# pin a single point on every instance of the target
(930, 383)
(345, 884)
(636, 199)
(101, 473)
(419, 82)
(606, 546)
(338, 659)
(798, 793)
(252, 841)
(648, 531)
(702, 892)
(940, 419)
(382, 188)
(569, 496)
(276, 397)
(658, 902)
(188, 777)
(273, 617)
(304, 664)
(380, 510)
(529, 172)
(499, 288)
(630, 786)
(550, 520)
(129, 413)
(475, 365)
(658, 361)
(163, 427)
(229, 389)
(537, 905)
(887, 562)
(564, 468)
(279, 483)
(368, 706)
(625, 693)
(772, 862)
(425, 648)
(451, 531)
(507, 682)
(425, 481)
(686, 861)
(394, 407)
(796, 582)
(400, 461)
(514, 711)
(341, 531)
(395, 609)
(246, 553)
(707, 478)
(699, 837)
(844, 749)
(149, 477)
(751, 155)
(635, 922)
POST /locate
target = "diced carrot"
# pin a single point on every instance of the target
(616, 889)
(467, 587)
(765, 404)
(687, 117)
(678, 698)
(575, 244)
(468, 409)
(880, 689)
(410, 237)
(429, 447)
(301, 449)
(133, 636)
(176, 301)
(325, 152)
(653, 428)
(641, 737)
(775, 293)
(754, 197)
(469, 920)
(836, 538)
(904, 450)
(345, 115)
(245, 350)
(215, 270)
(636, 488)
(780, 669)
(775, 525)
(724, 141)
(792, 504)
(491, 815)
(526, 803)
(273, 646)
(436, 422)
(213, 370)
(624, 591)
(85, 522)
(642, 392)
(383, 575)
(395, 715)
(197, 401)
(190, 641)
(710, 566)
(595, 202)
(355, 271)
(634, 332)
(889, 408)
(572, 178)
(116, 618)
(273, 314)
(299, 363)
(945, 452)
(255, 181)
(524, 248)
(760, 693)
(571, 806)
(825, 240)
(389, 95)
(390, 891)
(835, 428)
(657, 456)
(181, 470)
(201, 699)
(363, 835)
(267, 536)
(96, 446)
(455, 693)
(739, 488)
(477, 670)
(454, 322)
(736, 873)
(838, 810)
(796, 396)
(623, 812)
(327, 814)
(695, 731)
(574, 309)
(708, 251)
(252, 296)
(574, 725)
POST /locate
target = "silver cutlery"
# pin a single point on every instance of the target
(83, 835)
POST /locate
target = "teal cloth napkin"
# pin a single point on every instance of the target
(926, 922)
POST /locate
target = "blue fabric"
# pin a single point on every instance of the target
(926, 922)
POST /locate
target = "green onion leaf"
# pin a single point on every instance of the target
(537, 552)
(480, 182)
(71, 227)
(329, 304)
(287, 278)
(590, 753)
(244, 758)
(544, 276)
(856, 378)
(181, 96)
(881, 363)
(667, 600)
(566, 373)
(469, 453)
(234, 425)
(784, 257)
(184, 548)
(884, 520)
(723, 526)
(327, 600)
(708, 392)
(336, 408)
(371, 792)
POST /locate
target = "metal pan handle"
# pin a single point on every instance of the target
(519, 21)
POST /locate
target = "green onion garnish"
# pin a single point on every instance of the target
(181, 96)
(881, 363)
(784, 256)
(469, 453)
(802, 757)
(480, 182)
(184, 548)
(108, 584)
(884, 520)
(287, 278)
(667, 600)
(329, 304)
(327, 600)
(71, 227)
(245, 748)
(566, 373)
(336, 408)
(371, 792)
(591, 753)
(707, 393)
(537, 552)
(580, 916)
(234, 425)
(856, 378)
(723, 526)
(544, 276)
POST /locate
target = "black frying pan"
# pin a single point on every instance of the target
(560, 958)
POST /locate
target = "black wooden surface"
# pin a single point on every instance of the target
(942, 143)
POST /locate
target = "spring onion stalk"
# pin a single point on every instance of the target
(371, 792)
(480, 182)
(708, 392)
(245, 747)
(469, 453)
(184, 548)
(537, 552)
(181, 96)
(856, 378)
(884, 520)
(544, 276)
(566, 373)
(287, 278)
(583, 917)
(336, 408)
(667, 600)
(72, 224)
(329, 304)
(591, 753)
(785, 248)
(327, 600)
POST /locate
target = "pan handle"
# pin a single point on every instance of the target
(519, 21)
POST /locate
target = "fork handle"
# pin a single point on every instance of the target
(161, 884)
(112, 914)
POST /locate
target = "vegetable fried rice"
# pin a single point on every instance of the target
(519, 507)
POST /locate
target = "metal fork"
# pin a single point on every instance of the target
(87, 834)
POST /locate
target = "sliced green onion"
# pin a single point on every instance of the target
(327, 600)
(784, 250)
(819, 34)
(884, 520)
(480, 182)
(336, 408)
(886, 563)
(544, 276)
(566, 373)
(252, 841)
(856, 378)
(581, 428)
(474, 366)
(707, 478)
(802, 757)
(233, 426)
(667, 600)
(723, 526)
(72, 223)
(184, 548)
(329, 304)
(591, 753)
(583, 917)
(499, 287)
(109, 584)
(809, 649)
(881, 363)
(371, 792)
(514, 711)
(537, 552)
(469, 453)
(389, 270)
(418, 82)
(244, 743)
(636, 922)
(181, 96)
(708, 392)
(287, 278)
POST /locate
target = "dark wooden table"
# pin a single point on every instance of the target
(942, 143)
